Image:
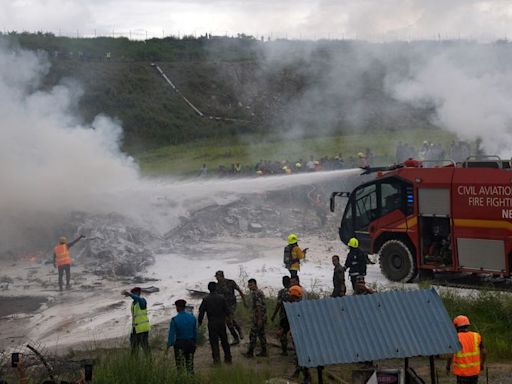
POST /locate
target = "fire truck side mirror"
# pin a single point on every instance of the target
(332, 204)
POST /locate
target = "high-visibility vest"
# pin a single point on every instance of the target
(466, 362)
(62, 256)
(140, 319)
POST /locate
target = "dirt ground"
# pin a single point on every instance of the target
(20, 304)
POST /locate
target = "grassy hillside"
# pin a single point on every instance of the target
(247, 150)
(287, 89)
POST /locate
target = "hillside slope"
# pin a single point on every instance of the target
(293, 89)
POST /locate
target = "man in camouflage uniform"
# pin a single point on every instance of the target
(259, 319)
(227, 288)
(284, 326)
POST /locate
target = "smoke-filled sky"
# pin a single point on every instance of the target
(48, 157)
(363, 19)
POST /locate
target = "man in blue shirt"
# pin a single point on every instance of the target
(183, 337)
(140, 320)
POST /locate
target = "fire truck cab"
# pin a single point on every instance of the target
(452, 218)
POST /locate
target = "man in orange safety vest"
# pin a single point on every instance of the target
(467, 363)
(62, 259)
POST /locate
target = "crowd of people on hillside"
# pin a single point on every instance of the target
(458, 151)
(284, 167)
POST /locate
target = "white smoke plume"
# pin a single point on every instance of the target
(470, 88)
(50, 161)
(48, 158)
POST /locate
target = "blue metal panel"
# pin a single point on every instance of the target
(388, 325)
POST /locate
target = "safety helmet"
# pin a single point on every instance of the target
(360, 154)
(292, 238)
(353, 243)
(461, 321)
(63, 240)
(295, 291)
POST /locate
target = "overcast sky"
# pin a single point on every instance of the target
(363, 19)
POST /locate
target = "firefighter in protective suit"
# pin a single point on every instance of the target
(355, 262)
(467, 363)
(293, 255)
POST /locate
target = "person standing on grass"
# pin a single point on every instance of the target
(227, 288)
(216, 308)
(467, 363)
(183, 337)
(284, 326)
(139, 338)
(259, 319)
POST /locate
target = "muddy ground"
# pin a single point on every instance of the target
(23, 304)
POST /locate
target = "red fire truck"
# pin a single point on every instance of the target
(451, 218)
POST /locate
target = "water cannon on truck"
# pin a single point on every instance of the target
(452, 218)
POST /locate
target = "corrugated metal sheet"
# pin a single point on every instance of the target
(395, 324)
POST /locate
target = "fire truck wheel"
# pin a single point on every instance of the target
(397, 262)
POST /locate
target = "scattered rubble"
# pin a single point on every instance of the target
(272, 214)
(114, 246)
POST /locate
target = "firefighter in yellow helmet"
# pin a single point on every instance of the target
(467, 363)
(355, 262)
(62, 259)
(293, 255)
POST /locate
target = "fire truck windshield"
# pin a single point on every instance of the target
(370, 202)
(366, 206)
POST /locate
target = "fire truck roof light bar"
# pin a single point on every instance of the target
(449, 161)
